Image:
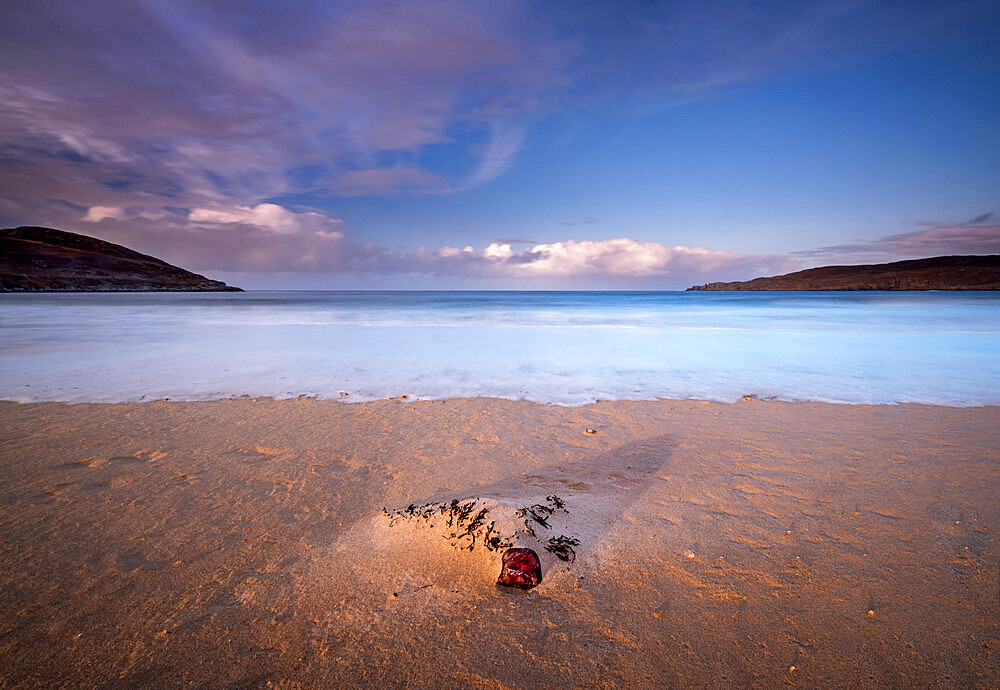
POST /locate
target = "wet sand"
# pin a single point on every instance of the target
(243, 544)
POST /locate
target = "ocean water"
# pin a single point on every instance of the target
(560, 347)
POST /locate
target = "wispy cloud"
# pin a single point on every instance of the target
(192, 102)
(268, 217)
(505, 140)
(980, 235)
(198, 102)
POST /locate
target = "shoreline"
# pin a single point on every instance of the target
(754, 543)
(411, 399)
(565, 349)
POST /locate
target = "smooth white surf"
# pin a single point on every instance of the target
(568, 348)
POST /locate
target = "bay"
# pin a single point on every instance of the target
(557, 347)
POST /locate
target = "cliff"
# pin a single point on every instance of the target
(937, 273)
(36, 259)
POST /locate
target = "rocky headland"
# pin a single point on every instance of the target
(936, 273)
(34, 259)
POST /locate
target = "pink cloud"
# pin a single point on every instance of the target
(95, 214)
(979, 236)
(194, 103)
(271, 239)
(268, 217)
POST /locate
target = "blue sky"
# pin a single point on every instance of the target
(444, 144)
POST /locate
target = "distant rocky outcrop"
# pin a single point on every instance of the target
(36, 259)
(936, 273)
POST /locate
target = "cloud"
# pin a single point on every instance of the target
(623, 257)
(95, 214)
(265, 238)
(500, 252)
(270, 239)
(174, 125)
(619, 262)
(136, 103)
(981, 235)
(448, 252)
(504, 142)
(181, 100)
(268, 217)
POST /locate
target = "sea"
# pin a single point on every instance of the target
(568, 348)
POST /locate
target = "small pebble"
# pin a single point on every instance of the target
(871, 614)
(590, 431)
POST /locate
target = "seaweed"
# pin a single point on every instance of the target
(469, 527)
(557, 503)
(540, 513)
(562, 547)
(466, 524)
(493, 541)
(422, 512)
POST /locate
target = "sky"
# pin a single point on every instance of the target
(448, 144)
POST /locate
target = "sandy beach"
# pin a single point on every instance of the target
(243, 543)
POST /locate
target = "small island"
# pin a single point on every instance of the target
(35, 259)
(936, 273)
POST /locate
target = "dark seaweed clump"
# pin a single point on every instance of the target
(562, 547)
(470, 526)
(539, 513)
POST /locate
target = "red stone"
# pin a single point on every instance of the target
(520, 569)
